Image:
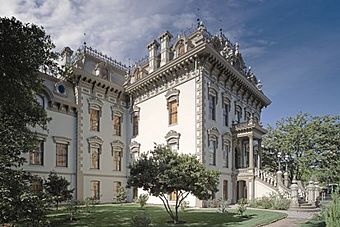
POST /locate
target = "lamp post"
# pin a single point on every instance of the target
(286, 161)
(278, 159)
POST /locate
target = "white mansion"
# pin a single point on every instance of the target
(193, 93)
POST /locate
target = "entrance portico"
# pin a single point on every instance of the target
(247, 144)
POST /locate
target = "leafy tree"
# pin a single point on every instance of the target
(24, 49)
(57, 187)
(164, 172)
(311, 143)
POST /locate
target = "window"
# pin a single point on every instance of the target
(134, 193)
(95, 157)
(172, 140)
(226, 152)
(226, 114)
(135, 125)
(41, 101)
(134, 150)
(225, 190)
(36, 185)
(117, 122)
(116, 186)
(247, 116)
(172, 99)
(62, 155)
(117, 160)
(36, 157)
(212, 107)
(172, 196)
(238, 114)
(94, 120)
(212, 151)
(95, 190)
(173, 112)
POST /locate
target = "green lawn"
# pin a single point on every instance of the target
(117, 215)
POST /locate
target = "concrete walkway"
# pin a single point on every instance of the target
(294, 218)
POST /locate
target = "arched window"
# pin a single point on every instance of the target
(41, 100)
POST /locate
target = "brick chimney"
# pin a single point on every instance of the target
(66, 54)
(165, 50)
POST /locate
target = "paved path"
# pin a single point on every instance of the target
(294, 218)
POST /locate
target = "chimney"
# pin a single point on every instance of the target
(66, 54)
(152, 47)
(165, 50)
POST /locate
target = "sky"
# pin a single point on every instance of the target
(293, 46)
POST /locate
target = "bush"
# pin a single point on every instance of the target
(214, 203)
(223, 206)
(90, 203)
(332, 214)
(184, 206)
(142, 199)
(72, 209)
(242, 207)
(121, 195)
(141, 220)
(273, 201)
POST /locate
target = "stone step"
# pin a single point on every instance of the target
(302, 209)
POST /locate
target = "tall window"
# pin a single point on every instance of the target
(212, 107)
(62, 155)
(95, 189)
(247, 116)
(117, 160)
(226, 152)
(117, 124)
(226, 114)
(36, 157)
(173, 112)
(135, 124)
(238, 114)
(212, 149)
(116, 186)
(36, 185)
(172, 196)
(134, 193)
(95, 157)
(94, 120)
(225, 190)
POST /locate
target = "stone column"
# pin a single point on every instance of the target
(316, 190)
(286, 180)
(259, 154)
(294, 194)
(279, 177)
(251, 152)
(310, 192)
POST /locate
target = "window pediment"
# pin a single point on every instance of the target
(61, 139)
(172, 94)
(95, 142)
(95, 103)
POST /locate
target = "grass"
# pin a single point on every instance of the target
(316, 221)
(120, 215)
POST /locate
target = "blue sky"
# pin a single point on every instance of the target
(292, 45)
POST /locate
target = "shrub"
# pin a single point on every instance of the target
(273, 201)
(121, 195)
(184, 206)
(223, 206)
(214, 203)
(242, 207)
(281, 204)
(142, 199)
(332, 214)
(90, 203)
(141, 220)
(72, 209)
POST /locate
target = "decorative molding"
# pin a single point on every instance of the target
(41, 136)
(172, 137)
(96, 104)
(95, 142)
(117, 146)
(172, 94)
(61, 139)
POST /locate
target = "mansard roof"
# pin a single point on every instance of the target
(201, 46)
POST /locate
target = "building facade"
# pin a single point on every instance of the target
(192, 92)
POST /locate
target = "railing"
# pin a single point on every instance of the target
(104, 57)
(266, 176)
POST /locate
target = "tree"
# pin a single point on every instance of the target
(57, 187)
(121, 195)
(24, 49)
(163, 172)
(311, 143)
